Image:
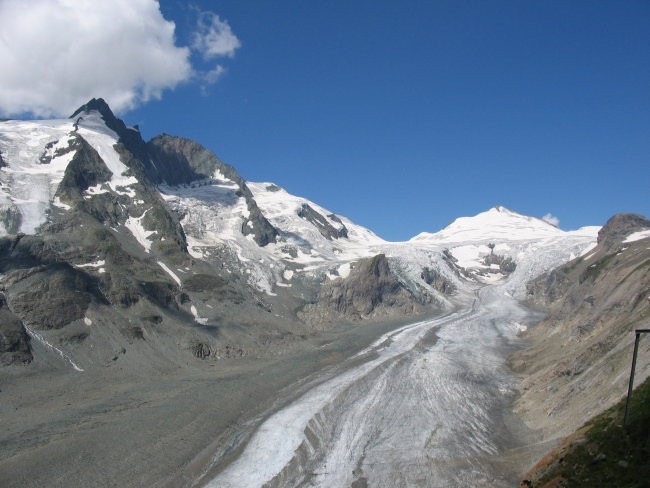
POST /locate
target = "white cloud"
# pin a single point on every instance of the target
(551, 219)
(213, 76)
(57, 54)
(214, 37)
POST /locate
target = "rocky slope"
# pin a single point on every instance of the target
(580, 354)
(370, 290)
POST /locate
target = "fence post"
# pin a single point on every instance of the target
(630, 387)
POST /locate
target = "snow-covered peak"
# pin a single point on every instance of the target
(283, 211)
(93, 121)
(498, 223)
(36, 154)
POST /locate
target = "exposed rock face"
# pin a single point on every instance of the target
(201, 350)
(102, 107)
(14, 341)
(619, 227)
(112, 264)
(580, 359)
(326, 229)
(437, 281)
(49, 154)
(370, 291)
(506, 265)
(10, 218)
(128, 137)
(183, 161)
(85, 170)
(42, 292)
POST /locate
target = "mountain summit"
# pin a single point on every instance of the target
(498, 222)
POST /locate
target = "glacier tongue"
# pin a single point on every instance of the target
(419, 411)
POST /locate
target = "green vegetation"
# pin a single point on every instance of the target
(608, 454)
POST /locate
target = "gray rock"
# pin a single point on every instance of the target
(319, 221)
(40, 289)
(86, 169)
(506, 264)
(201, 350)
(14, 340)
(437, 281)
(579, 354)
(599, 457)
(371, 290)
(619, 227)
(11, 218)
(182, 161)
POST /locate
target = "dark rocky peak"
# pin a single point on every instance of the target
(128, 137)
(327, 230)
(2, 161)
(99, 105)
(181, 161)
(619, 227)
(436, 280)
(86, 169)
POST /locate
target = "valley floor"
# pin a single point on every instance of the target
(117, 427)
(422, 404)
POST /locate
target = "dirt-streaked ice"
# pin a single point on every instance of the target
(422, 410)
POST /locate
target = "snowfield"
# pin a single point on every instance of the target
(27, 185)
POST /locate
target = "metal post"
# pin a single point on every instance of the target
(631, 386)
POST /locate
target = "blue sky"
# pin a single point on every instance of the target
(405, 115)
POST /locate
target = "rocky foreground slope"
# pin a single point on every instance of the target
(579, 358)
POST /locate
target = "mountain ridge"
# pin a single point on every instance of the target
(156, 213)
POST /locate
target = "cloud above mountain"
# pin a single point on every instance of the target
(56, 54)
(551, 219)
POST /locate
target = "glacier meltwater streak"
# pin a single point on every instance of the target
(423, 410)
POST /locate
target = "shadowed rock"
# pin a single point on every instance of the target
(327, 230)
(14, 341)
